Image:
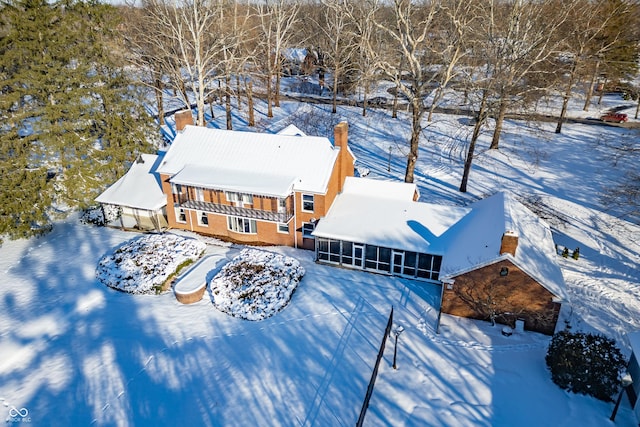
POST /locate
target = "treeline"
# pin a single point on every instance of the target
(70, 72)
(501, 54)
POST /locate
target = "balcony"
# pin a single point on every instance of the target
(257, 214)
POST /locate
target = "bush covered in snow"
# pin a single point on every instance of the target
(96, 214)
(585, 363)
(256, 284)
(143, 265)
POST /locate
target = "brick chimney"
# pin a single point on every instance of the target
(183, 118)
(345, 159)
(509, 243)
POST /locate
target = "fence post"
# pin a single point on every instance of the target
(374, 374)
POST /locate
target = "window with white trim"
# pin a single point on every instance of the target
(203, 219)
(181, 215)
(199, 194)
(283, 228)
(307, 229)
(307, 202)
(233, 197)
(242, 225)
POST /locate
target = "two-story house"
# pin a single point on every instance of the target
(253, 188)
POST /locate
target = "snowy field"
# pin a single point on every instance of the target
(75, 352)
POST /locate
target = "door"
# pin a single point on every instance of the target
(358, 255)
(397, 261)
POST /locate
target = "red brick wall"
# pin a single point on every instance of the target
(516, 296)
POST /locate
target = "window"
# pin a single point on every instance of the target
(241, 225)
(307, 202)
(282, 205)
(239, 198)
(329, 250)
(307, 229)
(200, 194)
(203, 218)
(232, 197)
(247, 199)
(181, 216)
(283, 228)
(429, 266)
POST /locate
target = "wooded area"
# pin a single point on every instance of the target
(75, 76)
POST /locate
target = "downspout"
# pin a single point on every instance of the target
(295, 221)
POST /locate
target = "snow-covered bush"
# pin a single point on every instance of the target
(143, 265)
(256, 284)
(100, 215)
(585, 363)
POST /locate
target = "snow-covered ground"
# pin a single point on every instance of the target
(75, 352)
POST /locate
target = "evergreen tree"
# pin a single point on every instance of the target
(585, 363)
(70, 116)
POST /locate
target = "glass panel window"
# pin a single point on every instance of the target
(200, 194)
(241, 225)
(203, 218)
(231, 196)
(429, 266)
(181, 215)
(307, 202)
(307, 229)
(282, 205)
(283, 228)
(247, 199)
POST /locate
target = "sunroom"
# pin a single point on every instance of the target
(377, 226)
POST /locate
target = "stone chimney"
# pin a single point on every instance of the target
(183, 118)
(509, 243)
(345, 159)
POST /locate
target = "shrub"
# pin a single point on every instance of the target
(585, 363)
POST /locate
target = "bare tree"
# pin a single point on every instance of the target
(183, 33)
(367, 42)
(453, 24)
(336, 43)
(524, 42)
(277, 21)
(408, 29)
(584, 35)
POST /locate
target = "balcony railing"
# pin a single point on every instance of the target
(258, 214)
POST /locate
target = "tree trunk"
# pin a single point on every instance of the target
(594, 76)
(472, 145)
(414, 145)
(159, 100)
(502, 111)
(238, 93)
(436, 98)
(269, 96)
(637, 107)
(252, 117)
(364, 100)
(602, 91)
(277, 91)
(228, 103)
(565, 100)
(334, 109)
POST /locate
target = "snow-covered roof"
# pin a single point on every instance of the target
(309, 159)
(139, 188)
(475, 241)
(234, 180)
(467, 237)
(294, 54)
(387, 218)
(291, 130)
(385, 189)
